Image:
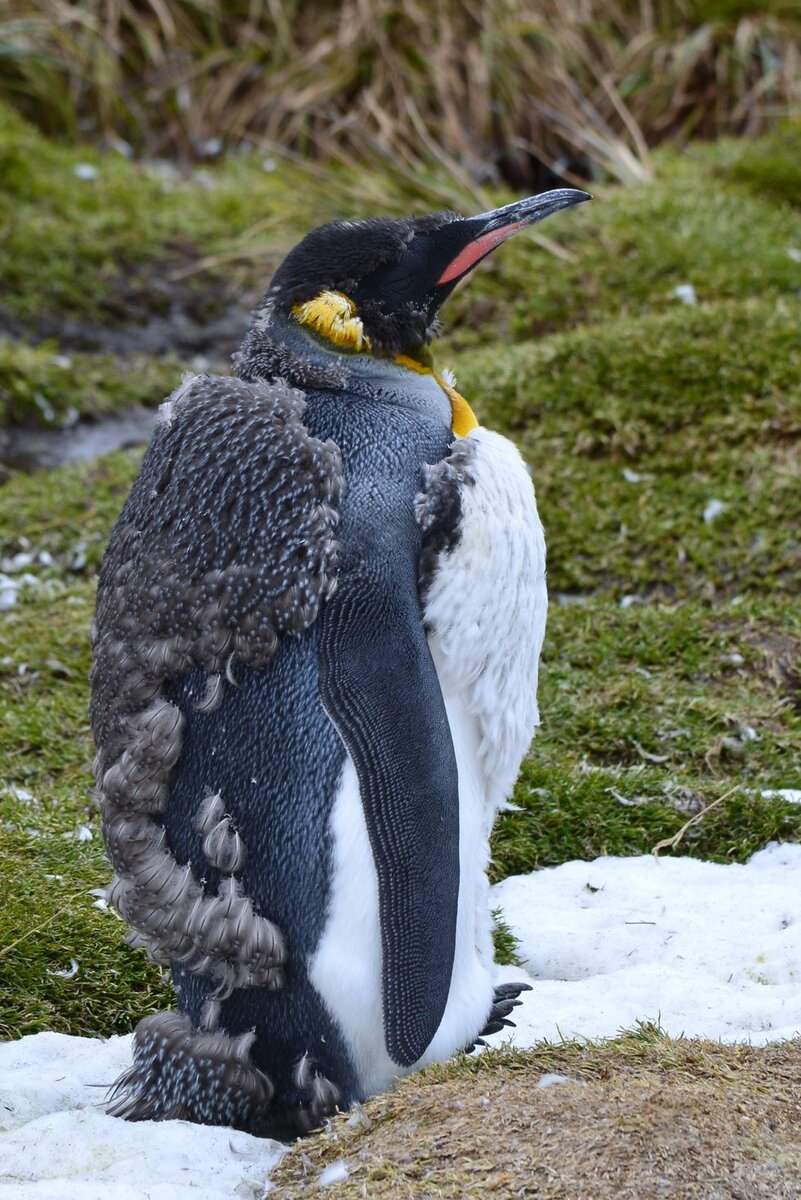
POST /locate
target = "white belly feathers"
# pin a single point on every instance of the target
(484, 607)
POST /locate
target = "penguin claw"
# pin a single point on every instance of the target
(504, 1007)
(474, 1045)
(507, 991)
(505, 1000)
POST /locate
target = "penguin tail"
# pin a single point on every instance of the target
(207, 1076)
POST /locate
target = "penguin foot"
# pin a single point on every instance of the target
(319, 1097)
(303, 1101)
(506, 998)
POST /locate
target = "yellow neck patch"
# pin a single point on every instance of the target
(333, 316)
(463, 419)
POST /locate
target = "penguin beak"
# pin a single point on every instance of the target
(489, 229)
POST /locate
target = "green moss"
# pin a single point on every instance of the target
(66, 513)
(123, 244)
(116, 245)
(770, 166)
(40, 386)
(700, 404)
(48, 916)
(649, 715)
(49, 921)
(505, 943)
(632, 247)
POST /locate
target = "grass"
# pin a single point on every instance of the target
(671, 671)
(40, 385)
(640, 1116)
(124, 246)
(650, 418)
(495, 91)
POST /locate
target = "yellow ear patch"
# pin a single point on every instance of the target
(333, 316)
(463, 419)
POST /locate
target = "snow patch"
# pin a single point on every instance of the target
(698, 948)
(791, 795)
(58, 1142)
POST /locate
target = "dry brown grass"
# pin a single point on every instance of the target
(639, 1119)
(487, 89)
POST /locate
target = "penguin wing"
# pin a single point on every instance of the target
(379, 685)
(224, 544)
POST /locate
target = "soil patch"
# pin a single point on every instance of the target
(633, 1119)
(155, 313)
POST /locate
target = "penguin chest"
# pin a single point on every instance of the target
(485, 602)
(485, 605)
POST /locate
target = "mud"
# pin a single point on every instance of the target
(36, 449)
(151, 314)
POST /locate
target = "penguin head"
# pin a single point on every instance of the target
(376, 286)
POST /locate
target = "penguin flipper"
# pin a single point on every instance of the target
(380, 688)
(224, 545)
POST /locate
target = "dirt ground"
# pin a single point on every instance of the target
(636, 1119)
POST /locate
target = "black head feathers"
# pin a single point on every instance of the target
(399, 272)
(343, 256)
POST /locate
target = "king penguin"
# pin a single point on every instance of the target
(319, 619)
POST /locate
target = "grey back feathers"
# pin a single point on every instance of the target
(225, 545)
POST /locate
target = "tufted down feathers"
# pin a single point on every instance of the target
(225, 544)
(181, 1073)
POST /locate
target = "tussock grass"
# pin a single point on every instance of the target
(487, 91)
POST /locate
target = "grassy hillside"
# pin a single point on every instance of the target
(664, 441)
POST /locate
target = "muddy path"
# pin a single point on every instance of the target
(157, 315)
(199, 322)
